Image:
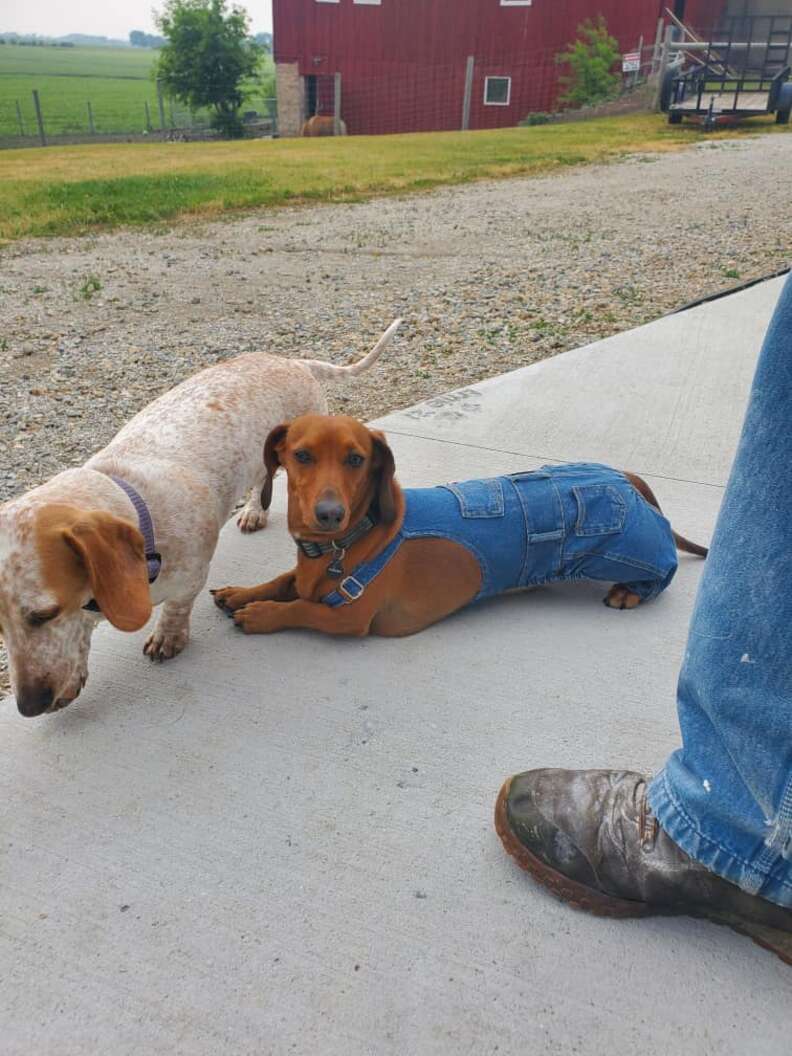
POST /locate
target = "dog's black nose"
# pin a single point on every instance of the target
(34, 699)
(329, 513)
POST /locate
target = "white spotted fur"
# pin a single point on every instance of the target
(191, 454)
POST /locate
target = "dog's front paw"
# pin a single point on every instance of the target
(164, 645)
(252, 520)
(229, 599)
(259, 617)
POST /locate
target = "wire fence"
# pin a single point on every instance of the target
(41, 117)
(374, 98)
(369, 98)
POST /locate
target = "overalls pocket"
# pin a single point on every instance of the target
(601, 510)
(479, 498)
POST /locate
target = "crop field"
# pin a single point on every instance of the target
(117, 82)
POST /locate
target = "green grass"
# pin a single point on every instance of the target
(117, 82)
(71, 190)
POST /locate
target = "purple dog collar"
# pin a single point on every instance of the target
(146, 526)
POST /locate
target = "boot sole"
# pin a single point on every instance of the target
(601, 905)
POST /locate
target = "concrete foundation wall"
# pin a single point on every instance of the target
(291, 98)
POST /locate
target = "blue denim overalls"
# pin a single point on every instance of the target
(558, 523)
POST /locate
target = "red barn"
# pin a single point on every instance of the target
(403, 62)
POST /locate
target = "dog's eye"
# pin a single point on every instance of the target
(354, 459)
(35, 619)
(303, 456)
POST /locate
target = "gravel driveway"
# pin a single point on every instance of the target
(489, 277)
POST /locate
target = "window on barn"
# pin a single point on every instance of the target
(328, 1)
(497, 91)
(515, 3)
(374, 3)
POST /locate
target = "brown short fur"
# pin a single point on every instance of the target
(426, 580)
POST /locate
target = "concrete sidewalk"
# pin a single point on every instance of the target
(284, 845)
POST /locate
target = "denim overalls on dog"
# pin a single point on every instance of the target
(558, 523)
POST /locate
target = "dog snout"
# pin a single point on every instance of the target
(34, 699)
(329, 513)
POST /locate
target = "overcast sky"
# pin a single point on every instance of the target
(106, 18)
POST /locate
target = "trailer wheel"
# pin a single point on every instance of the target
(667, 89)
(674, 118)
(784, 104)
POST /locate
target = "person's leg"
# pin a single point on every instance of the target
(726, 796)
(724, 800)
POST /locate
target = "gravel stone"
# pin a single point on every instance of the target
(488, 277)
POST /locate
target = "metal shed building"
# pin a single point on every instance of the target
(403, 62)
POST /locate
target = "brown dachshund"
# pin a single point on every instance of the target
(374, 559)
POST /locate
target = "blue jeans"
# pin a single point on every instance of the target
(726, 796)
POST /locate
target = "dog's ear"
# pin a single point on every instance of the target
(113, 554)
(272, 461)
(385, 468)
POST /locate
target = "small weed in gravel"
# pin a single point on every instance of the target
(90, 286)
(628, 294)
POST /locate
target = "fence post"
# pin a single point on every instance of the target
(91, 126)
(39, 118)
(19, 118)
(471, 62)
(337, 104)
(657, 45)
(663, 65)
(148, 116)
(161, 105)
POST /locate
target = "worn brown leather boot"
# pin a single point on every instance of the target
(590, 837)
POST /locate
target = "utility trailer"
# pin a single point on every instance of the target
(743, 72)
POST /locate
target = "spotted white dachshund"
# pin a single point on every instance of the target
(137, 525)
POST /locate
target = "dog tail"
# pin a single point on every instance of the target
(330, 372)
(681, 542)
(690, 548)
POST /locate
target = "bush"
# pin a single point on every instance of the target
(591, 59)
(536, 119)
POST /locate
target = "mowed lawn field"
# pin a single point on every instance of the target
(71, 190)
(117, 82)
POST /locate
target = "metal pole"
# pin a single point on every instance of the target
(471, 63)
(637, 75)
(702, 45)
(19, 118)
(91, 125)
(337, 104)
(663, 65)
(161, 105)
(148, 115)
(39, 118)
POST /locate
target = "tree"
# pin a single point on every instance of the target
(207, 58)
(591, 59)
(139, 39)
